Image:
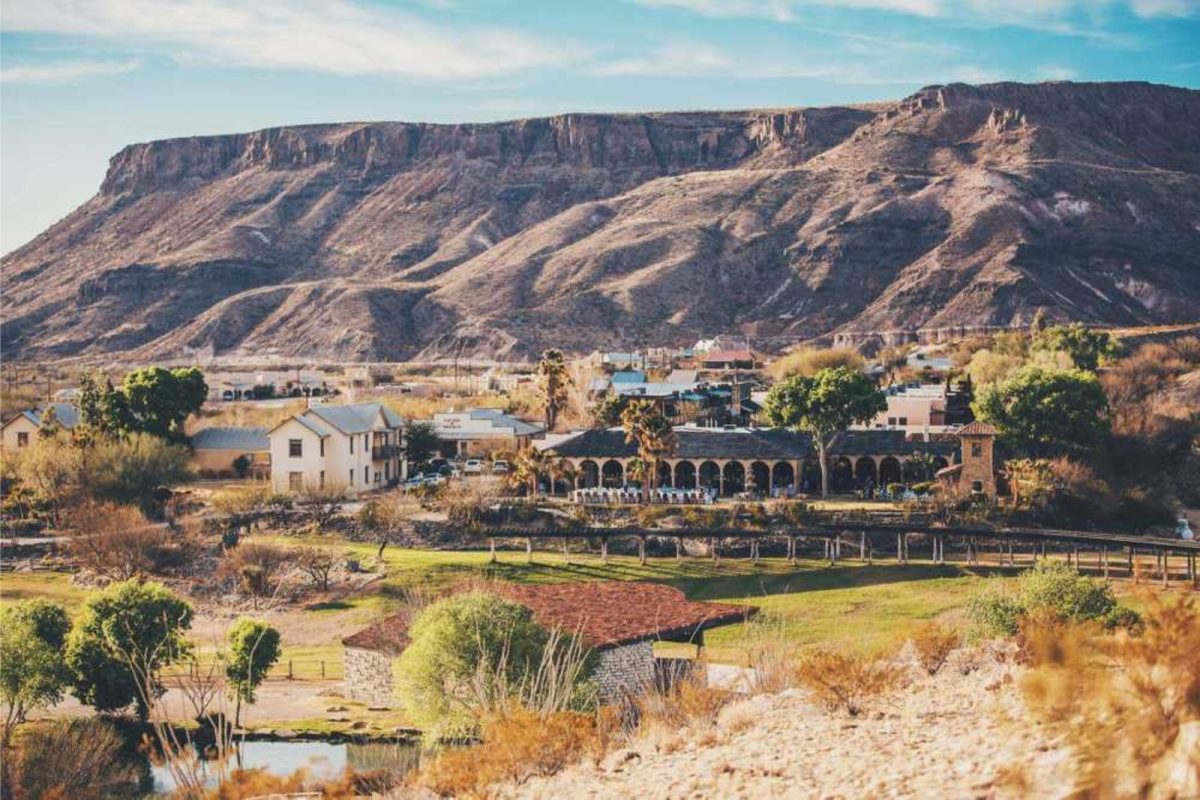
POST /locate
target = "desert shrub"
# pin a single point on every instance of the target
(994, 610)
(845, 680)
(245, 783)
(256, 566)
(50, 762)
(469, 654)
(118, 543)
(317, 563)
(1128, 705)
(137, 470)
(465, 504)
(809, 361)
(517, 745)
(321, 505)
(933, 644)
(649, 516)
(687, 702)
(895, 489)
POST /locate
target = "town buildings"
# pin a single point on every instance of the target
(352, 447)
(482, 432)
(19, 430)
(226, 452)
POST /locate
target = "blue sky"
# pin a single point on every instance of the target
(81, 78)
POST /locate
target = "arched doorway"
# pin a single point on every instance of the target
(710, 475)
(589, 474)
(783, 475)
(735, 477)
(810, 476)
(841, 476)
(685, 475)
(760, 477)
(939, 464)
(613, 474)
(864, 471)
(889, 471)
(663, 473)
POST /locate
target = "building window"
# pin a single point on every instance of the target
(352, 476)
(322, 479)
(903, 420)
(977, 449)
(351, 445)
(366, 442)
(296, 481)
(367, 476)
(322, 446)
(295, 448)
(891, 420)
(23, 439)
(976, 486)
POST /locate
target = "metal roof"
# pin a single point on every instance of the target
(221, 438)
(67, 414)
(356, 418)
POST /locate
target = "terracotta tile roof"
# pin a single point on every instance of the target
(606, 613)
(977, 428)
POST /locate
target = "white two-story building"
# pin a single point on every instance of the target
(352, 447)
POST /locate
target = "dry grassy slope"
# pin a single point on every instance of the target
(959, 205)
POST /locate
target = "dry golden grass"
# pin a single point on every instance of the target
(518, 744)
(846, 680)
(933, 643)
(1128, 704)
(689, 702)
(259, 783)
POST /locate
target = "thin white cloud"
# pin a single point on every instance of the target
(65, 71)
(1055, 72)
(674, 59)
(340, 36)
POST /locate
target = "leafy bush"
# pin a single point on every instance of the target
(469, 654)
(845, 680)
(1051, 590)
(933, 643)
(32, 671)
(895, 489)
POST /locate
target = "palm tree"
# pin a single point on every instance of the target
(529, 465)
(557, 468)
(646, 426)
(553, 380)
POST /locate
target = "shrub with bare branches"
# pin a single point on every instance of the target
(49, 762)
(933, 644)
(321, 505)
(256, 566)
(317, 563)
(117, 543)
(846, 680)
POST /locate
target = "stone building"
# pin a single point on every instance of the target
(976, 469)
(770, 460)
(620, 620)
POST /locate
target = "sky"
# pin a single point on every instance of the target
(79, 79)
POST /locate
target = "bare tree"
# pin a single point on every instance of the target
(322, 504)
(317, 563)
(116, 542)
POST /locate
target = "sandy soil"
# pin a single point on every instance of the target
(950, 736)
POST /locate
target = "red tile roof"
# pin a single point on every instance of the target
(977, 428)
(606, 613)
(728, 355)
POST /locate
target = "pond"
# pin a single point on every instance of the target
(320, 759)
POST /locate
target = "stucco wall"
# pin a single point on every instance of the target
(625, 671)
(369, 677)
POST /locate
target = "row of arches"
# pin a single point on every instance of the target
(732, 477)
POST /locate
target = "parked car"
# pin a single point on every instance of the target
(499, 467)
(447, 470)
(432, 479)
(472, 466)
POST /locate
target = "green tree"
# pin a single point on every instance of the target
(607, 411)
(91, 403)
(1086, 348)
(161, 400)
(122, 639)
(420, 443)
(254, 647)
(823, 406)
(553, 382)
(646, 427)
(32, 670)
(117, 419)
(52, 472)
(466, 653)
(136, 469)
(1046, 413)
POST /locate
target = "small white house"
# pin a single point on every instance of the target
(354, 447)
(482, 431)
(19, 431)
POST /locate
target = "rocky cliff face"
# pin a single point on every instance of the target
(959, 205)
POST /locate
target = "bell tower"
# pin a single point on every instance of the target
(977, 440)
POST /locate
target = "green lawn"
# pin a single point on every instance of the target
(56, 586)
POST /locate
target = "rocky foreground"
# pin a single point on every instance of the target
(953, 735)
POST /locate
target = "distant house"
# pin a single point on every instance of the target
(482, 431)
(356, 447)
(214, 451)
(628, 376)
(925, 407)
(620, 620)
(730, 359)
(18, 431)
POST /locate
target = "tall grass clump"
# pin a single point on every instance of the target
(933, 643)
(846, 680)
(1128, 704)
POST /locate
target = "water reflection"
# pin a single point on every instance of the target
(319, 759)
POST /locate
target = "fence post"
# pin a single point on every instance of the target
(289, 669)
(322, 669)
(492, 549)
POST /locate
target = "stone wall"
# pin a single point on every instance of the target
(625, 671)
(369, 677)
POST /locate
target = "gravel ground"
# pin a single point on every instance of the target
(949, 736)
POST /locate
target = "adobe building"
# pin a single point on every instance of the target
(976, 469)
(620, 620)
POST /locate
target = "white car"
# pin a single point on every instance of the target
(472, 466)
(432, 479)
(499, 467)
